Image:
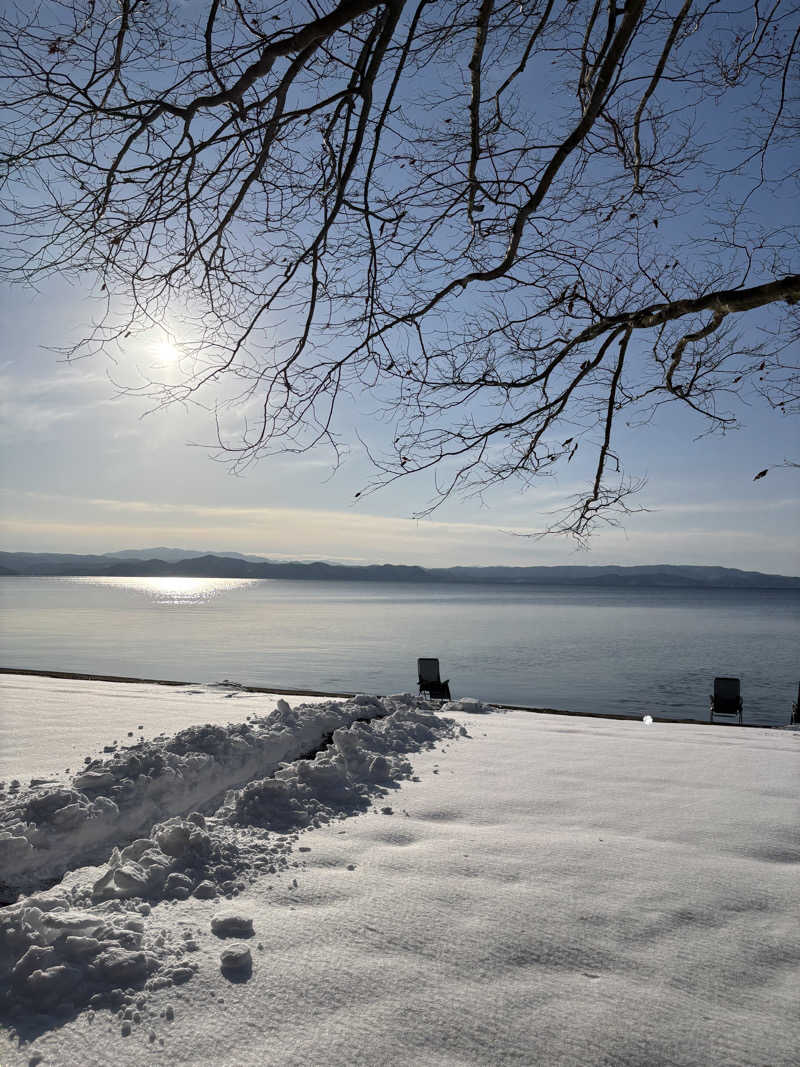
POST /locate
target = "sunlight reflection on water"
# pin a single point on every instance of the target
(183, 591)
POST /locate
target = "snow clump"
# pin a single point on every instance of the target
(236, 959)
(469, 705)
(232, 924)
(54, 954)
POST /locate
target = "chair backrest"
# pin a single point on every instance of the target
(428, 670)
(727, 689)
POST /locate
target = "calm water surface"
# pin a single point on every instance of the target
(617, 650)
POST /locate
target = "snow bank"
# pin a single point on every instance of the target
(111, 802)
(49, 724)
(95, 939)
(361, 762)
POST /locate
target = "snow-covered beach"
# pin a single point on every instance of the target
(75, 718)
(389, 882)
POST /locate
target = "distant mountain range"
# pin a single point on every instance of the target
(174, 555)
(172, 562)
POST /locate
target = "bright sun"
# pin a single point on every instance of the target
(166, 351)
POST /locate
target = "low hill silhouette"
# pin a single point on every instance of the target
(212, 565)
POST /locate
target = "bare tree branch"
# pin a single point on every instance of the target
(499, 225)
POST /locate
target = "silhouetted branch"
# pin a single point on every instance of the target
(498, 224)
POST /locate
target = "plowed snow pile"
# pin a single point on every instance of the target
(46, 831)
(423, 885)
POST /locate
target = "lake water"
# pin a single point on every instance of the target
(605, 651)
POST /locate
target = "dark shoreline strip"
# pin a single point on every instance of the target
(76, 676)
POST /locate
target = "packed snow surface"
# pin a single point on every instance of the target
(433, 885)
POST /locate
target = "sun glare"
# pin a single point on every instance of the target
(169, 590)
(166, 351)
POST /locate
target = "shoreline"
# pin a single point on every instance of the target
(80, 676)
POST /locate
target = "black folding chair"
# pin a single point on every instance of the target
(430, 681)
(726, 700)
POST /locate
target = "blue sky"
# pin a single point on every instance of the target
(86, 470)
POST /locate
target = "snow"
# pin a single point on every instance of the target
(50, 724)
(450, 885)
(48, 829)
